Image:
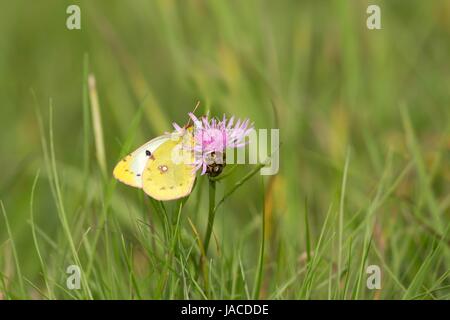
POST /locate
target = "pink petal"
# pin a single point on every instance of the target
(195, 120)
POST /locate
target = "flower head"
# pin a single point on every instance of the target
(211, 139)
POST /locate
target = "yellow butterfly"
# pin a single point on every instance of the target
(162, 167)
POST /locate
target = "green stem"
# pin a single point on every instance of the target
(211, 214)
(259, 274)
(238, 184)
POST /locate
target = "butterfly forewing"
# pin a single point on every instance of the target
(130, 169)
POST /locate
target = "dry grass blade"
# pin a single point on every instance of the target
(97, 125)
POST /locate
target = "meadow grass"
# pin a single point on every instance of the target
(364, 164)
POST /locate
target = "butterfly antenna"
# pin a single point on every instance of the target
(193, 111)
(196, 106)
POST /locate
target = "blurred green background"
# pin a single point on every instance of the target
(336, 90)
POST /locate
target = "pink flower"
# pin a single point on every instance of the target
(211, 139)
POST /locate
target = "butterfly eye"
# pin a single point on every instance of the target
(148, 153)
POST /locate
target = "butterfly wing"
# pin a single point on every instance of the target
(130, 169)
(169, 175)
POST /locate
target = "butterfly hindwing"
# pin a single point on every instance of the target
(130, 169)
(166, 179)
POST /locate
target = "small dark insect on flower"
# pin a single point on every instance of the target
(215, 167)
